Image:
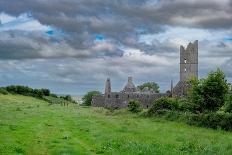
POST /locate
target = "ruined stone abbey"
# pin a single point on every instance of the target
(188, 69)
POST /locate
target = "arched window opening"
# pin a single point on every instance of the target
(185, 61)
(185, 69)
(108, 96)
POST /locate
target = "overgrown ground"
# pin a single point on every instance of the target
(31, 126)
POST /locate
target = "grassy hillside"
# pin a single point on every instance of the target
(32, 126)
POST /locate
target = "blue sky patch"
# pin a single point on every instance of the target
(50, 32)
(228, 39)
(99, 37)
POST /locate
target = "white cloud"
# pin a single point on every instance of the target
(5, 18)
(22, 22)
(136, 55)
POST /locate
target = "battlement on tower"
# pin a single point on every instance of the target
(191, 47)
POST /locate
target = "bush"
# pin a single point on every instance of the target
(208, 95)
(134, 106)
(68, 98)
(87, 99)
(3, 91)
(46, 92)
(163, 104)
(212, 120)
(228, 104)
(54, 95)
(38, 93)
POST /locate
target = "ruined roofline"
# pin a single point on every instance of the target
(183, 49)
(138, 92)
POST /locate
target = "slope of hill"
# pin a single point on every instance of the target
(32, 126)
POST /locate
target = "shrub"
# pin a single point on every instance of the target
(163, 104)
(134, 106)
(11, 89)
(54, 95)
(68, 98)
(38, 93)
(228, 103)
(87, 99)
(3, 91)
(46, 92)
(211, 120)
(208, 95)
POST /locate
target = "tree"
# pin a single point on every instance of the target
(38, 93)
(209, 94)
(151, 85)
(46, 92)
(134, 106)
(3, 91)
(87, 99)
(228, 104)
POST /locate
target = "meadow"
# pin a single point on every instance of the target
(32, 126)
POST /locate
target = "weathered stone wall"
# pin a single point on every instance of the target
(118, 100)
(98, 101)
(188, 68)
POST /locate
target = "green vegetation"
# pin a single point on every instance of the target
(163, 103)
(3, 91)
(150, 85)
(87, 99)
(208, 95)
(32, 126)
(209, 104)
(27, 91)
(228, 103)
(68, 98)
(134, 106)
(43, 93)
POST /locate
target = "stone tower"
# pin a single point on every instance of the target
(108, 86)
(189, 61)
(188, 68)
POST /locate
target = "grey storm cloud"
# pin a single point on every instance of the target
(33, 45)
(75, 62)
(120, 21)
(121, 15)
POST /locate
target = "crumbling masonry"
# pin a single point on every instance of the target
(188, 69)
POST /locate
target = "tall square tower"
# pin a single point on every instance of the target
(189, 61)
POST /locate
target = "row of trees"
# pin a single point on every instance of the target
(27, 91)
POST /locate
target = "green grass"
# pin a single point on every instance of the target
(32, 126)
(54, 100)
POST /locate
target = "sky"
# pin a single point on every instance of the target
(72, 46)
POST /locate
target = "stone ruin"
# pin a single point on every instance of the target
(116, 100)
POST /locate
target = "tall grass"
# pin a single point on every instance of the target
(31, 126)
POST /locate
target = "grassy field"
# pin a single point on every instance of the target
(31, 126)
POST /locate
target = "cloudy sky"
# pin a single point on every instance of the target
(72, 46)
